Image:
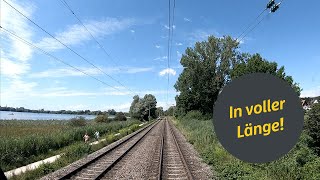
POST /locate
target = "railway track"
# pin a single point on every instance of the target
(166, 158)
(173, 163)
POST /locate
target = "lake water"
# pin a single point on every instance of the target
(5, 115)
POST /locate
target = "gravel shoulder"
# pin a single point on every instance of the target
(136, 164)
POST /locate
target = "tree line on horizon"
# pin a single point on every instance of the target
(78, 112)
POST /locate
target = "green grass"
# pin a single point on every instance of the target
(300, 163)
(78, 150)
(30, 141)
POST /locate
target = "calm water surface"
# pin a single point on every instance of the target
(8, 115)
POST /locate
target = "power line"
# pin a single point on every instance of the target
(54, 57)
(99, 44)
(170, 39)
(101, 47)
(249, 25)
(168, 50)
(66, 46)
(273, 8)
(253, 28)
(172, 27)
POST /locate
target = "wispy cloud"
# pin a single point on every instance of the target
(160, 58)
(167, 71)
(65, 72)
(65, 92)
(179, 44)
(157, 46)
(77, 34)
(165, 104)
(16, 55)
(133, 31)
(13, 68)
(179, 55)
(201, 35)
(187, 20)
(167, 27)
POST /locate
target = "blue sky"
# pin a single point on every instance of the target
(135, 34)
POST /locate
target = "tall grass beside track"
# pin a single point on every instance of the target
(23, 142)
(300, 163)
(74, 152)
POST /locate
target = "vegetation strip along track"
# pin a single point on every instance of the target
(70, 170)
(92, 168)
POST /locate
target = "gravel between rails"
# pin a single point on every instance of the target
(198, 168)
(65, 170)
(137, 163)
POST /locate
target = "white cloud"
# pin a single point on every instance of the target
(160, 58)
(167, 27)
(133, 31)
(179, 44)
(186, 19)
(201, 35)
(158, 46)
(240, 41)
(121, 107)
(13, 68)
(76, 34)
(166, 105)
(179, 55)
(17, 24)
(311, 92)
(16, 55)
(65, 92)
(167, 71)
(134, 70)
(67, 72)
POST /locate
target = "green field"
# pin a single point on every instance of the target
(26, 141)
(300, 163)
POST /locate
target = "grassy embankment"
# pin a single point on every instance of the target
(24, 142)
(300, 163)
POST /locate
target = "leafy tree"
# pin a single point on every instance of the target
(207, 69)
(120, 116)
(101, 118)
(312, 126)
(255, 63)
(112, 112)
(210, 65)
(140, 107)
(136, 107)
(170, 111)
(159, 111)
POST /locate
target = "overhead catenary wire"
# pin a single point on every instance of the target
(168, 48)
(253, 28)
(66, 46)
(169, 42)
(249, 25)
(54, 57)
(95, 39)
(239, 40)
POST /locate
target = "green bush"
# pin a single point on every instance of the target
(312, 126)
(77, 121)
(101, 119)
(194, 115)
(120, 116)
